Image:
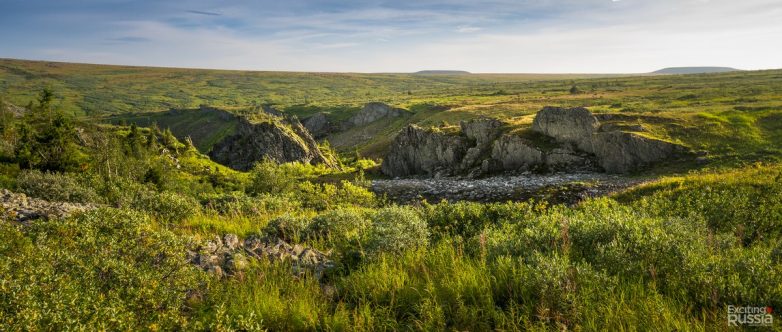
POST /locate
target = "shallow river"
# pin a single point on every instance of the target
(556, 188)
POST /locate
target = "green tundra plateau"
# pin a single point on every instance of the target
(140, 198)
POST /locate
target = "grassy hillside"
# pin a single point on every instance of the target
(670, 254)
(731, 115)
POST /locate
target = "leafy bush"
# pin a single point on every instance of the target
(396, 229)
(267, 177)
(238, 204)
(63, 187)
(329, 196)
(167, 206)
(288, 227)
(104, 270)
(346, 230)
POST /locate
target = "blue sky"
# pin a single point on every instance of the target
(540, 36)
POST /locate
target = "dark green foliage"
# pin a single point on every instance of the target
(66, 187)
(105, 270)
(47, 139)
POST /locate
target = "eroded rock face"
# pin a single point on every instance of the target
(281, 140)
(373, 112)
(623, 152)
(317, 124)
(420, 151)
(571, 125)
(482, 132)
(515, 153)
(580, 144)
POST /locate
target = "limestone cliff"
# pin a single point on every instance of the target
(280, 139)
(567, 140)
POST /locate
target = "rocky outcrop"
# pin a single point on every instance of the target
(563, 140)
(228, 255)
(318, 125)
(623, 152)
(573, 125)
(422, 151)
(513, 152)
(20, 208)
(482, 132)
(373, 112)
(280, 139)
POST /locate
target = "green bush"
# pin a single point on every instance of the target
(396, 229)
(345, 230)
(167, 207)
(288, 227)
(64, 187)
(104, 270)
(238, 204)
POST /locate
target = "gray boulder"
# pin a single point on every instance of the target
(623, 152)
(317, 124)
(421, 151)
(483, 132)
(514, 153)
(567, 125)
(373, 112)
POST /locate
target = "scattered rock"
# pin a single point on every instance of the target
(20, 208)
(556, 188)
(230, 256)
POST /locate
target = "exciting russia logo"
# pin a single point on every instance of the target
(750, 316)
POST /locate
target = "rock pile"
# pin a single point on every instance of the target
(229, 255)
(555, 188)
(20, 208)
(560, 140)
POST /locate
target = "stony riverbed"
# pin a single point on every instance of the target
(568, 188)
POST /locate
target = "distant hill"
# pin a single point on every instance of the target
(442, 72)
(694, 70)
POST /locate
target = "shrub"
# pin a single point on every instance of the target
(166, 206)
(346, 230)
(396, 229)
(56, 187)
(288, 227)
(238, 204)
(269, 177)
(104, 270)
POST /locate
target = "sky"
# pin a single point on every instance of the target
(497, 36)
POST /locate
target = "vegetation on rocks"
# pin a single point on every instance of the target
(311, 247)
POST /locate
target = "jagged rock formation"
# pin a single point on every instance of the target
(567, 125)
(20, 208)
(373, 112)
(280, 139)
(623, 152)
(567, 140)
(318, 125)
(424, 151)
(229, 255)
